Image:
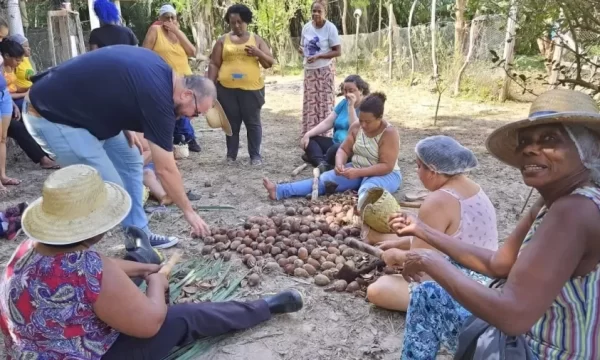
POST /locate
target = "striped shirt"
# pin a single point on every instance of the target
(570, 328)
(365, 151)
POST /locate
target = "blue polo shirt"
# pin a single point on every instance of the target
(109, 90)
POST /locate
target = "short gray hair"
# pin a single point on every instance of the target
(588, 146)
(200, 85)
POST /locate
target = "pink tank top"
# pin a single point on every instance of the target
(477, 220)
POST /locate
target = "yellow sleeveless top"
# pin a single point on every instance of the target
(365, 151)
(238, 70)
(173, 54)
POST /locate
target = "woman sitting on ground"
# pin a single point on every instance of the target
(548, 271)
(456, 206)
(372, 143)
(12, 54)
(320, 150)
(25, 69)
(62, 299)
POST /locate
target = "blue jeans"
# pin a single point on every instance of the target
(183, 126)
(390, 182)
(113, 158)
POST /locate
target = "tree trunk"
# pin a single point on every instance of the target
(433, 28)
(390, 39)
(379, 25)
(344, 12)
(459, 26)
(472, 35)
(15, 23)
(410, 48)
(509, 48)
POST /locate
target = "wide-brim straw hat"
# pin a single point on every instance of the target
(216, 118)
(557, 106)
(377, 207)
(76, 205)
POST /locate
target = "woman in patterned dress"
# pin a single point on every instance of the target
(456, 206)
(372, 143)
(61, 299)
(551, 267)
(319, 45)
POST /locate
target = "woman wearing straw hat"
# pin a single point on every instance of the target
(235, 64)
(545, 297)
(456, 206)
(63, 299)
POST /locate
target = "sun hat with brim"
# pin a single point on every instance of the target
(216, 118)
(557, 106)
(76, 205)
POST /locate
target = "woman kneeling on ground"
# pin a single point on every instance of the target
(372, 143)
(62, 299)
(320, 150)
(548, 271)
(456, 206)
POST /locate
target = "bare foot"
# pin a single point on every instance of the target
(9, 181)
(271, 188)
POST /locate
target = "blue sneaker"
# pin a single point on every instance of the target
(161, 241)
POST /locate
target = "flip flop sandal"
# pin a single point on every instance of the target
(54, 167)
(416, 196)
(152, 209)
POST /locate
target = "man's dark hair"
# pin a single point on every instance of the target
(242, 10)
(11, 48)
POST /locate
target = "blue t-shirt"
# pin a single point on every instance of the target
(341, 123)
(109, 90)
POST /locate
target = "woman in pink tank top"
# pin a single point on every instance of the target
(456, 206)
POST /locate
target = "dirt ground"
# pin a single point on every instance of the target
(332, 325)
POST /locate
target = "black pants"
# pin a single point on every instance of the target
(18, 131)
(189, 322)
(321, 149)
(243, 106)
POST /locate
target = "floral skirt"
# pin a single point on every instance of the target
(434, 319)
(319, 97)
